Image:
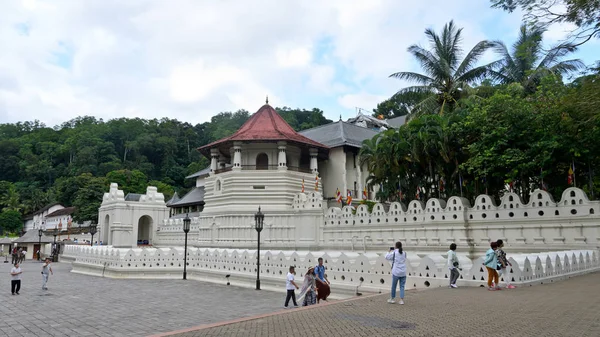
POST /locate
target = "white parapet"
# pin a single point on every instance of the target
(346, 270)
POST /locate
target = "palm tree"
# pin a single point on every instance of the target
(446, 77)
(527, 62)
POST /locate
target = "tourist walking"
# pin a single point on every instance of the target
(46, 270)
(15, 255)
(491, 263)
(15, 279)
(308, 293)
(323, 289)
(290, 285)
(398, 258)
(453, 266)
(503, 263)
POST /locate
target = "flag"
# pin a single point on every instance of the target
(349, 197)
(511, 185)
(418, 195)
(442, 183)
(570, 178)
(365, 193)
(338, 195)
(302, 185)
(316, 183)
(400, 195)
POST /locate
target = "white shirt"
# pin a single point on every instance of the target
(15, 270)
(46, 269)
(451, 258)
(288, 282)
(399, 262)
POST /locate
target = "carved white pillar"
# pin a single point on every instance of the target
(237, 156)
(314, 166)
(359, 193)
(282, 162)
(214, 157)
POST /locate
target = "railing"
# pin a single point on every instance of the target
(264, 168)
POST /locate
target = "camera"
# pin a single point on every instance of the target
(391, 248)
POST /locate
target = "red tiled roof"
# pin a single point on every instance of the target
(265, 125)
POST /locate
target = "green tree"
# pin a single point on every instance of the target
(446, 78)
(527, 62)
(163, 188)
(129, 181)
(88, 197)
(10, 221)
(584, 14)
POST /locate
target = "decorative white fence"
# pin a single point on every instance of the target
(370, 272)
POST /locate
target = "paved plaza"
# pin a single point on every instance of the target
(79, 305)
(568, 308)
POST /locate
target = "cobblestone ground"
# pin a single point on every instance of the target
(79, 305)
(567, 308)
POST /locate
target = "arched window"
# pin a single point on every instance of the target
(262, 161)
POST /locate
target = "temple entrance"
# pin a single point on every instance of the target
(262, 161)
(105, 229)
(144, 231)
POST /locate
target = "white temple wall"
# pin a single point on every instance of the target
(429, 226)
(348, 272)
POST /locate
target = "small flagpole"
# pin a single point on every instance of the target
(542, 177)
(591, 181)
(460, 184)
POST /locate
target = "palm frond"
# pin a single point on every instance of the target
(413, 77)
(473, 57)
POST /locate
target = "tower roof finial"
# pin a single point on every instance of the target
(267, 100)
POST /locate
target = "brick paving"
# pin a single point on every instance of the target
(567, 308)
(80, 305)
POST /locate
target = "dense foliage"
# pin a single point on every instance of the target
(73, 163)
(510, 125)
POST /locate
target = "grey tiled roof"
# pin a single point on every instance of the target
(194, 197)
(31, 236)
(132, 197)
(174, 199)
(200, 173)
(339, 133)
(397, 121)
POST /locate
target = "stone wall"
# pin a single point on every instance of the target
(540, 225)
(370, 272)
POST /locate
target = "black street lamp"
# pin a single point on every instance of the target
(54, 245)
(186, 229)
(39, 252)
(259, 217)
(93, 230)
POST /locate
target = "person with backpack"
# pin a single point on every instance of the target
(491, 263)
(453, 265)
(502, 265)
(398, 258)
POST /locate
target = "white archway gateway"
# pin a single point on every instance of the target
(128, 220)
(144, 230)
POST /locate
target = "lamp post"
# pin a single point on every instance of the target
(186, 229)
(40, 233)
(54, 245)
(93, 230)
(259, 217)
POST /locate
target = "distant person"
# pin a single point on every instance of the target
(308, 293)
(323, 289)
(15, 255)
(46, 270)
(290, 286)
(503, 264)
(398, 258)
(453, 265)
(15, 279)
(491, 263)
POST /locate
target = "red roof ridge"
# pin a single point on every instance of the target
(267, 125)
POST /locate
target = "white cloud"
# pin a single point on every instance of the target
(151, 58)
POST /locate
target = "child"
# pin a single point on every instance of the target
(491, 262)
(453, 265)
(290, 285)
(502, 263)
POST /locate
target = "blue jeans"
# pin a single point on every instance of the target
(395, 280)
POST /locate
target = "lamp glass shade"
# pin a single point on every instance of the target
(259, 218)
(186, 224)
(93, 229)
(40, 233)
